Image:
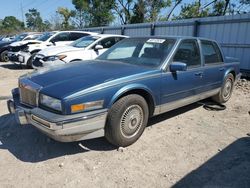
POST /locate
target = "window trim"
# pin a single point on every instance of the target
(188, 67)
(216, 47)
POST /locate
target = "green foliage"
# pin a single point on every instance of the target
(66, 14)
(139, 12)
(192, 10)
(11, 24)
(33, 20)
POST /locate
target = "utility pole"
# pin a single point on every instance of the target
(21, 6)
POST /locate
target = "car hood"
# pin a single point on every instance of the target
(4, 43)
(65, 80)
(54, 50)
(21, 43)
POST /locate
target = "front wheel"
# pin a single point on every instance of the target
(226, 90)
(4, 56)
(126, 120)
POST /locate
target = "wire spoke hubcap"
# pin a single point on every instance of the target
(227, 89)
(131, 121)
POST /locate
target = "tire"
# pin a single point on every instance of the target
(126, 120)
(226, 90)
(4, 56)
(30, 60)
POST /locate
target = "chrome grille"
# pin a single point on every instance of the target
(28, 92)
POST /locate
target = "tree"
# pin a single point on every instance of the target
(154, 7)
(34, 20)
(66, 14)
(123, 8)
(12, 24)
(176, 3)
(192, 10)
(80, 16)
(139, 12)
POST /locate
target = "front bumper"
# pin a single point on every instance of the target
(19, 57)
(63, 128)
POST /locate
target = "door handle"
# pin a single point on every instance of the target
(222, 69)
(200, 74)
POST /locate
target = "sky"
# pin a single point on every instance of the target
(47, 8)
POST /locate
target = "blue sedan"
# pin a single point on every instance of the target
(114, 95)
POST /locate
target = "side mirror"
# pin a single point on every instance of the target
(178, 66)
(98, 47)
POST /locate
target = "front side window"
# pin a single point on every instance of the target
(109, 42)
(210, 52)
(45, 36)
(188, 52)
(61, 37)
(140, 51)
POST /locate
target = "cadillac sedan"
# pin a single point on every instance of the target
(114, 95)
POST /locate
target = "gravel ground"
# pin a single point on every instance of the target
(188, 147)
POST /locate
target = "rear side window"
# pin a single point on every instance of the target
(210, 52)
(74, 36)
(108, 42)
(188, 52)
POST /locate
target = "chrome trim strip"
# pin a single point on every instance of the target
(192, 89)
(183, 102)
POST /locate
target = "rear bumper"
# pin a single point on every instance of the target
(63, 128)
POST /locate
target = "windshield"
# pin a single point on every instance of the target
(45, 36)
(20, 37)
(140, 51)
(84, 41)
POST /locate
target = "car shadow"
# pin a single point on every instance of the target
(229, 168)
(30, 145)
(11, 66)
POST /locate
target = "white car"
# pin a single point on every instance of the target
(28, 49)
(85, 48)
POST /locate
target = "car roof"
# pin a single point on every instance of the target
(173, 37)
(110, 35)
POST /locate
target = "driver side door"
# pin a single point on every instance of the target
(182, 87)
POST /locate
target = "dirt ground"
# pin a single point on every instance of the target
(188, 147)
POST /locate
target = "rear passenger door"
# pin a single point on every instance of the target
(183, 86)
(213, 65)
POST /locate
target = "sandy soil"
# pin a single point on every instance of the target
(188, 147)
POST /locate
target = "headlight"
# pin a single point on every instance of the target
(87, 106)
(50, 102)
(56, 57)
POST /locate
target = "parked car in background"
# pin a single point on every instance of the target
(85, 48)
(114, 95)
(57, 38)
(4, 45)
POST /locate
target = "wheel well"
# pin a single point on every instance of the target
(233, 73)
(146, 95)
(35, 51)
(75, 60)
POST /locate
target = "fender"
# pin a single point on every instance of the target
(231, 69)
(128, 88)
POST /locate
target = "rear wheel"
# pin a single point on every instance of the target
(127, 120)
(4, 56)
(226, 90)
